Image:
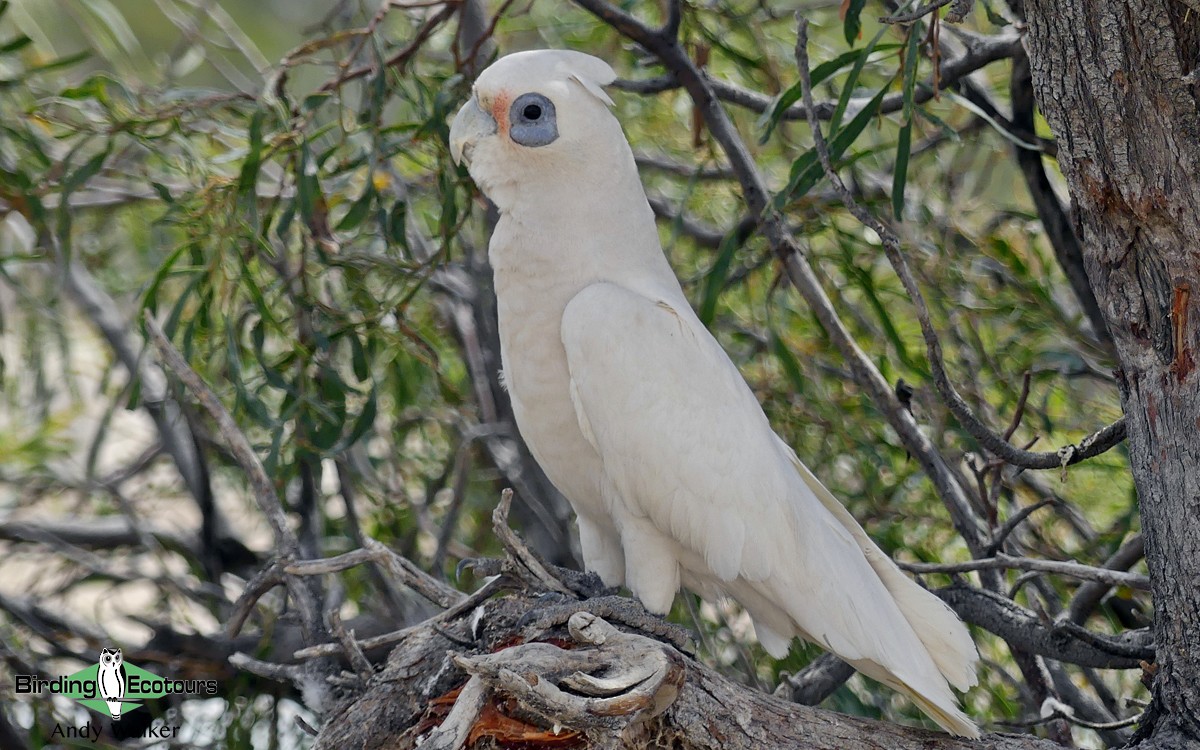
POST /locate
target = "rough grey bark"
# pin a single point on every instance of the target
(1116, 80)
(1055, 219)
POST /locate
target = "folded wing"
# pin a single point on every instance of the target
(697, 479)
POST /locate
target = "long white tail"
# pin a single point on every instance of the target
(942, 633)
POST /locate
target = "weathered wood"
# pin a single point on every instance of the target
(405, 702)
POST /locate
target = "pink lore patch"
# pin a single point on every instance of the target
(500, 112)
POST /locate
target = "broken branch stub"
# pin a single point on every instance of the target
(616, 680)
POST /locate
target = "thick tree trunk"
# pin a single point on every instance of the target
(1116, 79)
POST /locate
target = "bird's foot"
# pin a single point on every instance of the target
(571, 582)
(618, 609)
(527, 566)
(586, 585)
(480, 567)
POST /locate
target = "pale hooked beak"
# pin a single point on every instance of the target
(470, 124)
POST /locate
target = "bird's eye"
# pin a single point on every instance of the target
(532, 121)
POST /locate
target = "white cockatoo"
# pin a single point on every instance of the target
(638, 416)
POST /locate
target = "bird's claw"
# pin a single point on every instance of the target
(480, 566)
(627, 612)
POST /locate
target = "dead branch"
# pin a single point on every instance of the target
(1001, 561)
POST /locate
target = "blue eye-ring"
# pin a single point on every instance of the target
(532, 120)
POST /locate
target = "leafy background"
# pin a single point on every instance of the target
(246, 174)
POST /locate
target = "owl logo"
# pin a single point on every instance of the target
(111, 680)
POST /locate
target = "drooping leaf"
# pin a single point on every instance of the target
(807, 171)
(714, 280)
(900, 171)
(851, 19)
(794, 93)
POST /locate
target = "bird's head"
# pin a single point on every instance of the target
(533, 118)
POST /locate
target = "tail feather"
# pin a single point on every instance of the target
(952, 719)
(942, 633)
(936, 701)
(945, 638)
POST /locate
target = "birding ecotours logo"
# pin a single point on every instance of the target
(112, 686)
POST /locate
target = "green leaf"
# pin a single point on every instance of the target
(992, 16)
(90, 169)
(396, 221)
(789, 363)
(358, 211)
(313, 101)
(849, 87)
(358, 359)
(248, 178)
(900, 174)
(286, 217)
(866, 284)
(163, 191)
(15, 44)
(941, 124)
(150, 298)
(714, 280)
(774, 114)
(61, 62)
(308, 192)
(852, 23)
(364, 422)
(910, 71)
(807, 171)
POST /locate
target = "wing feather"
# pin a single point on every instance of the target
(677, 429)
(688, 451)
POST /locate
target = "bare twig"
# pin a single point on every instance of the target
(1008, 562)
(663, 164)
(529, 564)
(270, 670)
(99, 307)
(1062, 641)
(817, 681)
(400, 567)
(235, 439)
(917, 14)
(262, 582)
(1055, 219)
(468, 604)
(1089, 595)
(345, 638)
(950, 72)
(399, 59)
(105, 532)
(1016, 520)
